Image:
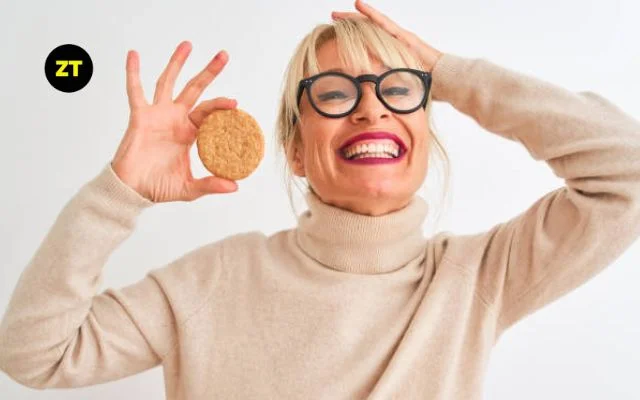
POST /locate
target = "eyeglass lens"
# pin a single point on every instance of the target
(333, 94)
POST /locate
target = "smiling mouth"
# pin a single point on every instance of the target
(374, 154)
(385, 149)
(373, 157)
(379, 145)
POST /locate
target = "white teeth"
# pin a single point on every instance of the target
(372, 155)
(392, 150)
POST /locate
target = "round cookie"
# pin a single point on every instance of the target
(230, 143)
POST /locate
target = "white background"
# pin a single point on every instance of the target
(584, 346)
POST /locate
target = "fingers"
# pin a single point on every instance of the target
(385, 22)
(206, 107)
(197, 188)
(166, 81)
(134, 87)
(197, 84)
(342, 14)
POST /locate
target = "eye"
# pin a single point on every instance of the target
(395, 91)
(333, 95)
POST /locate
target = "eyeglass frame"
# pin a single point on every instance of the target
(306, 83)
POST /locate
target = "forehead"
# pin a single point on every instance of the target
(329, 60)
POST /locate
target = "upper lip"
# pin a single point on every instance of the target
(374, 135)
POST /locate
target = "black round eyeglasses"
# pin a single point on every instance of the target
(334, 94)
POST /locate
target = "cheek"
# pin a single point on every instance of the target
(418, 128)
(320, 134)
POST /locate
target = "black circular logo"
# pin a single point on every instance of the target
(68, 68)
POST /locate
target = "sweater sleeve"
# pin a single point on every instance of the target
(570, 234)
(57, 331)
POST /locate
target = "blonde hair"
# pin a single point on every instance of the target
(357, 40)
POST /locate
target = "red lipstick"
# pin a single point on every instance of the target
(375, 135)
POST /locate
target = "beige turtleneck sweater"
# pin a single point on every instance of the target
(343, 306)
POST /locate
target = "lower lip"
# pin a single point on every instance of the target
(374, 160)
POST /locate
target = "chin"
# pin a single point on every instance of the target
(386, 184)
(379, 191)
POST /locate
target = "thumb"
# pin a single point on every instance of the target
(209, 185)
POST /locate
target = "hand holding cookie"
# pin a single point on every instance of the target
(153, 156)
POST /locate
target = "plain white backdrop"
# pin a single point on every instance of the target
(584, 346)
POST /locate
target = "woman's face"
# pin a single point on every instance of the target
(365, 188)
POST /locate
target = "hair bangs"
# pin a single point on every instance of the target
(359, 42)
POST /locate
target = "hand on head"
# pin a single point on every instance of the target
(428, 55)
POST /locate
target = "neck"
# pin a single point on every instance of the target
(347, 241)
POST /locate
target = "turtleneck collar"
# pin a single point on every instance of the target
(358, 243)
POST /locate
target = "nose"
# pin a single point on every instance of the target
(370, 107)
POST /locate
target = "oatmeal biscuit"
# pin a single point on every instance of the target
(230, 143)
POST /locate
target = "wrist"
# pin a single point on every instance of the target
(121, 174)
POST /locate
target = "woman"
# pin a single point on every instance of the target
(354, 302)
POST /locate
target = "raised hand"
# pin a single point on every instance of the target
(153, 156)
(428, 55)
